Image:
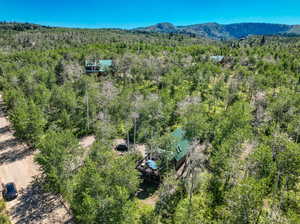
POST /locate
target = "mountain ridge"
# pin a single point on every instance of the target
(224, 31)
(212, 30)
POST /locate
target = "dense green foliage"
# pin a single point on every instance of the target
(243, 117)
(4, 219)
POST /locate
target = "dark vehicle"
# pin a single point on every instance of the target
(122, 148)
(10, 191)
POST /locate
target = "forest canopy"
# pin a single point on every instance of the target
(241, 116)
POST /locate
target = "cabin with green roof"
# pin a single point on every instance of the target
(98, 66)
(182, 147)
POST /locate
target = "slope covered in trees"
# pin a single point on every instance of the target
(224, 32)
(242, 116)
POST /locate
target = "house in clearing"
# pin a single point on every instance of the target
(94, 66)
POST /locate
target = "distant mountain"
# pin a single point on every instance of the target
(165, 27)
(219, 31)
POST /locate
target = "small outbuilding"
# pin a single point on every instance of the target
(152, 164)
(149, 169)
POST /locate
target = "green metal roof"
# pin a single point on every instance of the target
(182, 144)
(105, 64)
(99, 65)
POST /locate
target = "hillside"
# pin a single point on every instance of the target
(220, 32)
(21, 26)
(25, 36)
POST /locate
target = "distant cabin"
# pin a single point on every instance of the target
(98, 65)
(217, 58)
(182, 147)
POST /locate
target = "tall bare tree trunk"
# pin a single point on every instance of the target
(87, 108)
(134, 133)
(128, 144)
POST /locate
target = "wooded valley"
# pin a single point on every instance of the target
(241, 116)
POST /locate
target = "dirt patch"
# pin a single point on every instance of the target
(151, 200)
(87, 141)
(142, 149)
(247, 150)
(118, 141)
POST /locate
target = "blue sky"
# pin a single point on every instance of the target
(135, 13)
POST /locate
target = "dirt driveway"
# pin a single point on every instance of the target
(33, 205)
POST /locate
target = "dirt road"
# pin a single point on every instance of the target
(33, 205)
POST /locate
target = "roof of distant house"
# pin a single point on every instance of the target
(102, 65)
(105, 63)
(217, 58)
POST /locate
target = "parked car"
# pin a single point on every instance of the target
(10, 191)
(122, 147)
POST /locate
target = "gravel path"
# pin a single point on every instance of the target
(33, 205)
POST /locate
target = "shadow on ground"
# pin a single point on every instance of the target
(13, 155)
(3, 109)
(147, 189)
(8, 143)
(4, 130)
(34, 205)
